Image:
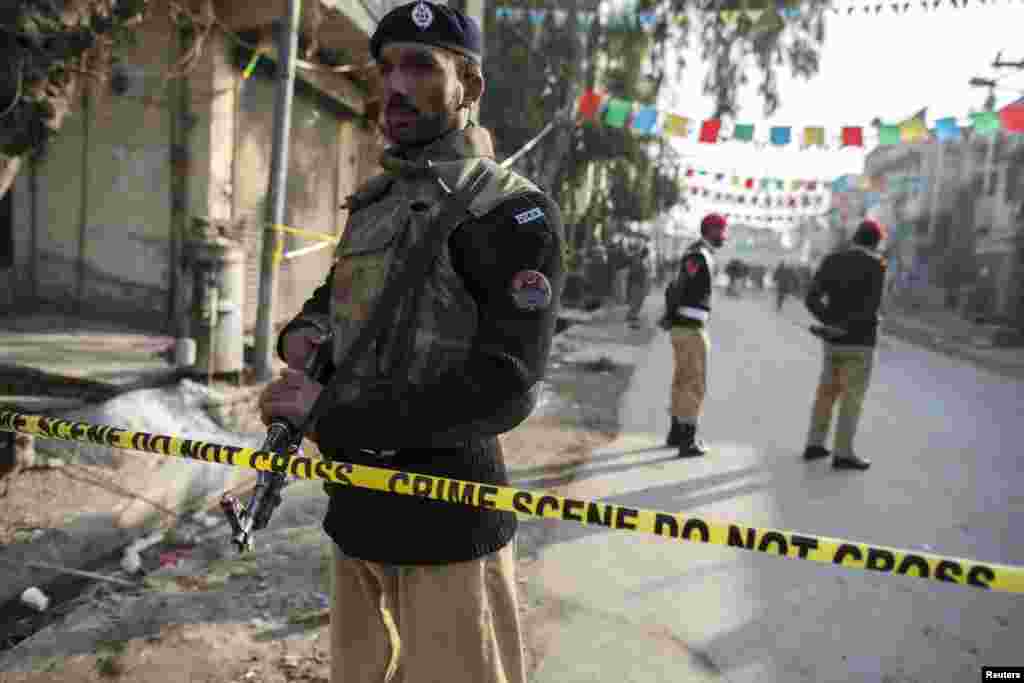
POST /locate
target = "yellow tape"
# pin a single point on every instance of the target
(535, 503)
(321, 236)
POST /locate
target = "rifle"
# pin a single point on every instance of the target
(282, 437)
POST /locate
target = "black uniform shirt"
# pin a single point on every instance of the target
(508, 356)
(847, 292)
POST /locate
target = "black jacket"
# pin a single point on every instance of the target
(688, 297)
(510, 354)
(847, 293)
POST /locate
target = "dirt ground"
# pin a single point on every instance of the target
(226, 639)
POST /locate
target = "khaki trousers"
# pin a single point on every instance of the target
(689, 380)
(450, 623)
(845, 376)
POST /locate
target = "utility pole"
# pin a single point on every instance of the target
(1000, 64)
(287, 35)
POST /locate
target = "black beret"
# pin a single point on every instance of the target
(431, 24)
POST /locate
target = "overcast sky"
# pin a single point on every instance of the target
(887, 65)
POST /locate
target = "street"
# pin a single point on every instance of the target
(944, 437)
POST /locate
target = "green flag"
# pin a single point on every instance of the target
(618, 112)
(888, 135)
(744, 132)
(985, 122)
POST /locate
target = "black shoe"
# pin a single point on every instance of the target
(675, 434)
(691, 446)
(850, 462)
(815, 452)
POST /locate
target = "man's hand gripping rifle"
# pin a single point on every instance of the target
(282, 437)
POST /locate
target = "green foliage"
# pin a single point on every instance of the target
(39, 58)
(109, 658)
(535, 72)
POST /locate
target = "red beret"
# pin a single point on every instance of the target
(712, 220)
(873, 227)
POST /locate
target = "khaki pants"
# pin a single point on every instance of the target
(845, 376)
(451, 623)
(689, 381)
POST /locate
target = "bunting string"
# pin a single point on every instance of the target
(624, 113)
(761, 17)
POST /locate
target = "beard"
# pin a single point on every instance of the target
(419, 129)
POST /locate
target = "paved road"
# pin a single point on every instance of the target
(946, 442)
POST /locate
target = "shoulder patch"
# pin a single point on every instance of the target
(692, 266)
(530, 215)
(531, 290)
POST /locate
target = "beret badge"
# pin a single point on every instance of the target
(422, 16)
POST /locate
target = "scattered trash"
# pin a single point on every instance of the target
(173, 558)
(602, 364)
(35, 598)
(131, 561)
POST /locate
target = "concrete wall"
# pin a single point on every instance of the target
(329, 156)
(128, 171)
(99, 244)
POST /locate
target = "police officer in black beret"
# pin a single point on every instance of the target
(424, 587)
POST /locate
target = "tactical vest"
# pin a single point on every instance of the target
(689, 299)
(389, 218)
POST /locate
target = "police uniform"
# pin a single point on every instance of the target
(845, 295)
(688, 308)
(425, 589)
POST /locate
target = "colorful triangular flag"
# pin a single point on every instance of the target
(618, 112)
(744, 132)
(709, 130)
(853, 136)
(780, 135)
(676, 125)
(589, 104)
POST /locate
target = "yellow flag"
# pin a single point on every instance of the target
(814, 135)
(730, 16)
(676, 125)
(913, 130)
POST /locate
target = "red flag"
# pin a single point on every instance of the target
(689, 173)
(709, 130)
(812, 184)
(589, 104)
(749, 184)
(1012, 117)
(853, 136)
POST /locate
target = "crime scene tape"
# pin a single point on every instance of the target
(538, 503)
(279, 229)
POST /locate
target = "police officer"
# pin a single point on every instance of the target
(687, 309)
(426, 589)
(845, 296)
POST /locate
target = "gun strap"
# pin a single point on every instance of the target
(402, 282)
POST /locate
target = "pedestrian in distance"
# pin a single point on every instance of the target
(785, 284)
(638, 284)
(424, 589)
(687, 310)
(846, 296)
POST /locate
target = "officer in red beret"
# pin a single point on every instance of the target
(687, 310)
(845, 297)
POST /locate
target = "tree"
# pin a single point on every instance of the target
(537, 72)
(46, 48)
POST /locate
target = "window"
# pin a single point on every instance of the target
(7, 229)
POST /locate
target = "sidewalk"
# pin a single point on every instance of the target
(946, 332)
